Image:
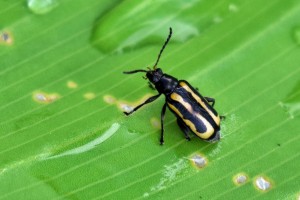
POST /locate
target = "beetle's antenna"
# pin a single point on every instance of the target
(162, 49)
(135, 71)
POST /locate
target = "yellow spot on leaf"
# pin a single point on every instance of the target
(89, 95)
(72, 84)
(109, 99)
(124, 105)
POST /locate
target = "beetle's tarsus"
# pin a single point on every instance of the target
(127, 113)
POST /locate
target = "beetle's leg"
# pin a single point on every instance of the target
(184, 128)
(147, 101)
(222, 117)
(210, 100)
(162, 117)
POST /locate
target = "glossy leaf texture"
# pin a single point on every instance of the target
(63, 134)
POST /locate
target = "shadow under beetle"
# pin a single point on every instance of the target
(194, 112)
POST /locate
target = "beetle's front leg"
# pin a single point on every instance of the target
(162, 117)
(147, 101)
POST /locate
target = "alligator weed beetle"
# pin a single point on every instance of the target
(194, 112)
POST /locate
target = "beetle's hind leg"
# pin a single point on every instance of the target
(184, 128)
(210, 100)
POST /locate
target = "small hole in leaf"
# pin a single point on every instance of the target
(240, 179)
(6, 38)
(198, 161)
(262, 183)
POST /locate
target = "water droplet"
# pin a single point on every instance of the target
(198, 161)
(42, 97)
(262, 183)
(233, 7)
(41, 6)
(291, 104)
(293, 109)
(143, 35)
(240, 179)
(89, 95)
(72, 84)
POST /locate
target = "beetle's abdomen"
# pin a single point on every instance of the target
(194, 110)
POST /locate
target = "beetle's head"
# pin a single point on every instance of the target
(154, 75)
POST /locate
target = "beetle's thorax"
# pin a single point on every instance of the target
(164, 83)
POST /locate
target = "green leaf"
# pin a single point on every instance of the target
(62, 131)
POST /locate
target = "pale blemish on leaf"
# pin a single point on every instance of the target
(89, 95)
(155, 122)
(45, 98)
(233, 7)
(217, 19)
(170, 174)
(72, 84)
(109, 99)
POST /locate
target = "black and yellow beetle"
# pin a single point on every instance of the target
(193, 111)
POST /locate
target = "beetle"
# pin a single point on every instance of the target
(194, 112)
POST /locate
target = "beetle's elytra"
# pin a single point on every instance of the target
(194, 112)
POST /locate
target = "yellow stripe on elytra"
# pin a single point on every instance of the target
(198, 99)
(209, 128)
